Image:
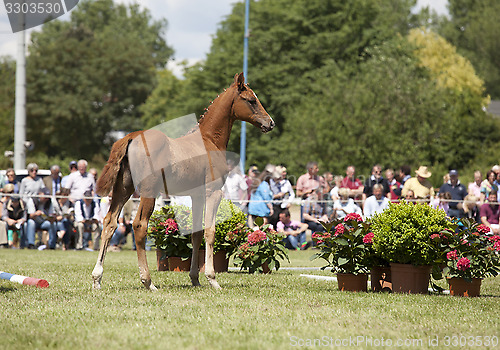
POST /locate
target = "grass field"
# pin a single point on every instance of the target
(282, 310)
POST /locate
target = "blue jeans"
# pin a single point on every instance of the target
(294, 242)
(51, 227)
(65, 225)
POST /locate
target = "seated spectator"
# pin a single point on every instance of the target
(345, 205)
(394, 186)
(295, 231)
(41, 216)
(314, 211)
(377, 202)
(471, 208)
(410, 196)
(488, 185)
(14, 214)
(404, 174)
(31, 184)
(65, 216)
(442, 201)
(457, 192)
(334, 192)
(374, 179)
(420, 185)
(87, 222)
(474, 188)
(260, 201)
(490, 213)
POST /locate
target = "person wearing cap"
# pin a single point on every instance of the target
(41, 216)
(14, 214)
(420, 185)
(72, 168)
(31, 184)
(458, 193)
(87, 222)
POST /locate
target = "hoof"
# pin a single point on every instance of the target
(214, 284)
(153, 288)
(97, 283)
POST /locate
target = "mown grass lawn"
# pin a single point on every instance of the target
(282, 310)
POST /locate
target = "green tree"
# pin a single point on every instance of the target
(7, 110)
(88, 76)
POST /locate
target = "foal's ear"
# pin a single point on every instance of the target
(239, 80)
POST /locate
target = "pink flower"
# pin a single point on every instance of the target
(368, 238)
(497, 246)
(463, 264)
(339, 229)
(170, 226)
(483, 229)
(452, 255)
(494, 238)
(353, 216)
(435, 235)
(256, 237)
(321, 236)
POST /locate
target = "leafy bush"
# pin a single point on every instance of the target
(402, 233)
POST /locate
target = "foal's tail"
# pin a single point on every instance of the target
(107, 180)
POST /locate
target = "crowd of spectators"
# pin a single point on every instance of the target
(327, 197)
(64, 212)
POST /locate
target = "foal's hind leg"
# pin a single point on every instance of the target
(121, 194)
(196, 238)
(144, 212)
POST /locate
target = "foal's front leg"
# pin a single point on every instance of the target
(212, 205)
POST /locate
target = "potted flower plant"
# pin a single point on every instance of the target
(346, 248)
(404, 235)
(471, 254)
(171, 240)
(261, 248)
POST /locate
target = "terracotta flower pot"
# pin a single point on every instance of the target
(407, 278)
(460, 287)
(162, 264)
(175, 263)
(380, 277)
(265, 268)
(221, 263)
(352, 283)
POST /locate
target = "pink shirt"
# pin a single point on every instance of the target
(307, 182)
(291, 226)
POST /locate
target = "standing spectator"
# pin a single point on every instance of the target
(73, 167)
(404, 174)
(260, 202)
(420, 185)
(310, 181)
(345, 205)
(377, 202)
(314, 211)
(252, 180)
(64, 215)
(94, 173)
(14, 214)
(41, 216)
(235, 186)
(457, 191)
(282, 190)
(488, 185)
(31, 184)
(490, 213)
(53, 181)
(394, 185)
(10, 175)
(295, 231)
(80, 181)
(353, 184)
(474, 187)
(375, 178)
(87, 222)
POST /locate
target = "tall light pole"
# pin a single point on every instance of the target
(243, 139)
(20, 114)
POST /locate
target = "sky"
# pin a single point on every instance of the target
(191, 25)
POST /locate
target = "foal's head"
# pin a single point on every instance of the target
(247, 107)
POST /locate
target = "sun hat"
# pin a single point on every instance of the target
(423, 172)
